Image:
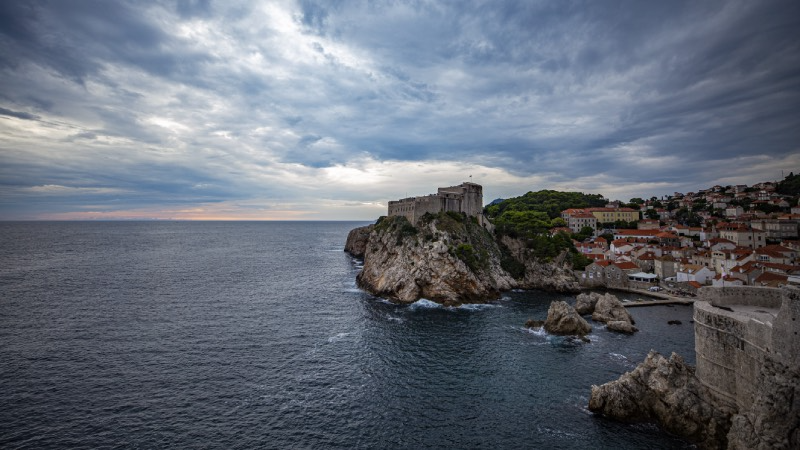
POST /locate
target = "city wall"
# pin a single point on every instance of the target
(465, 198)
(736, 330)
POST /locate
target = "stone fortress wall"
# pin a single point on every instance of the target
(465, 198)
(738, 331)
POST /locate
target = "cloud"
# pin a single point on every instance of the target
(329, 109)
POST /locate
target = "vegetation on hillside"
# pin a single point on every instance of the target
(531, 216)
(549, 202)
(790, 185)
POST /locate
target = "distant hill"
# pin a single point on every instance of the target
(545, 201)
(534, 213)
(496, 201)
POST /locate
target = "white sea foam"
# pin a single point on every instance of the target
(477, 306)
(618, 357)
(539, 331)
(338, 337)
(424, 303)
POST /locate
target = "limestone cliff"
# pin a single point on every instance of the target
(665, 391)
(446, 258)
(357, 239)
(556, 275)
(745, 391)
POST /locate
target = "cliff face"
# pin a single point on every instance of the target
(446, 258)
(556, 276)
(745, 391)
(357, 239)
(665, 391)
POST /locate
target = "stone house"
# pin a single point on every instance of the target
(693, 272)
(728, 281)
(776, 228)
(742, 235)
(665, 266)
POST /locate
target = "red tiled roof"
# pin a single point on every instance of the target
(767, 277)
(626, 265)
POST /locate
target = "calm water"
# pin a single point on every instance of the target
(245, 335)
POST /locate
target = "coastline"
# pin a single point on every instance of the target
(661, 299)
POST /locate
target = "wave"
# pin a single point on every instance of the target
(338, 337)
(424, 303)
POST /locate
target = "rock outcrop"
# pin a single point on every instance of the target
(585, 302)
(357, 240)
(554, 276)
(448, 258)
(609, 310)
(606, 308)
(621, 326)
(667, 392)
(563, 320)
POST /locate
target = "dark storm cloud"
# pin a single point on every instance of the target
(18, 114)
(202, 100)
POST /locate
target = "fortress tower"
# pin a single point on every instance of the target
(465, 198)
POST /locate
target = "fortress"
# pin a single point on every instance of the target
(465, 198)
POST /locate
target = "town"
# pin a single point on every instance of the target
(721, 236)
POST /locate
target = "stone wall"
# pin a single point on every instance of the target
(465, 198)
(736, 329)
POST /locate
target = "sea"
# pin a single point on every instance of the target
(239, 335)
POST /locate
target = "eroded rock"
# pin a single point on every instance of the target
(585, 302)
(667, 392)
(621, 326)
(357, 239)
(609, 309)
(563, 320)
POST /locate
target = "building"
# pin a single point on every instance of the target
(465, 198)
(693, 272)
(576, 222)
(776, 229)
(665, 267)
(742, 235)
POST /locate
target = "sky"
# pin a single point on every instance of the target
(326, 110)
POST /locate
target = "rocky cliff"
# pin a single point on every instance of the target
(556, 275)
(665, 391)
(356, 243)
(447, 258)
(744, 392)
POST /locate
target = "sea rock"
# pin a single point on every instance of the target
(445, 258)
(609, 309)
(532, 323)
(357, 239)
(562, 319)
(621, 326)
(665, 391)
(585, 302)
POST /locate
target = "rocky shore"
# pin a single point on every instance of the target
(448, 258)
(744, 392)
